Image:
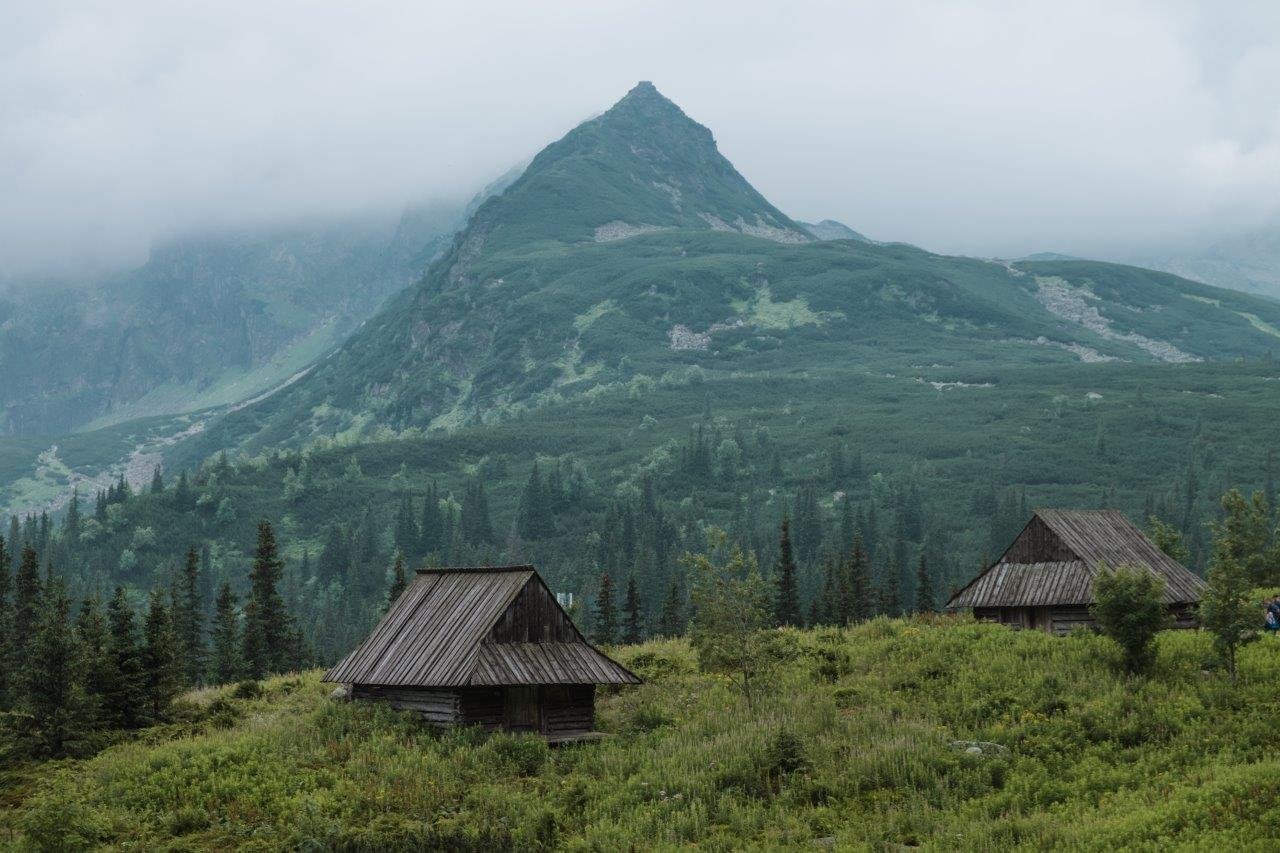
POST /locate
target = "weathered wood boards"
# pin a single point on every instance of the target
(487, 647)
(1044, 579)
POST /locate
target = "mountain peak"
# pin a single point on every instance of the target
(642, 165)
(645, 94)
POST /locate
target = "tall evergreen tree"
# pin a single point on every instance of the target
(188, 619)
(925, 597)
(858, 570)
(161, 662)
(266, 628)
(786, 603)
(848, 526)
(808, 522)
(71, 522)
(335, 556)
(825, 608)
(633, 626)
(7, 688)
(531, 520)
(671, 620)
(182, 491)
(157, 481)
(52, 694)
(225, 666)
(477, 527)
(891, 594)
(405, 533)
(606, 624)
(431, 530)
(98, 666)
(397, 582)
(27, 595)
(124, 697)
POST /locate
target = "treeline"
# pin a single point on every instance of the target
(71, 675)
(348, 511)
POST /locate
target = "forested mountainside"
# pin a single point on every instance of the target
(631, 249)
(628, 344)
(205, 321)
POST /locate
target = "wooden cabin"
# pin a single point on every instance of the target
(1044, 579)
(483, 646)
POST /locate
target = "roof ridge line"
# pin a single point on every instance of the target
(439, 570)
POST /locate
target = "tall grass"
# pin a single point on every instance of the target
(856, 747)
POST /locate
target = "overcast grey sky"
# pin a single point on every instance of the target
(993, 128)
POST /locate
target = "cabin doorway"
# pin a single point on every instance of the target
(521, 710)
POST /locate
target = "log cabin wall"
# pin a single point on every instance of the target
(569, 709)
(1062, 620)
(438, 706)
(481, 706)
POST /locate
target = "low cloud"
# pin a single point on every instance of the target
(990, 128)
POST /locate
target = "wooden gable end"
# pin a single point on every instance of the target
(1037, 543)
(534, 617)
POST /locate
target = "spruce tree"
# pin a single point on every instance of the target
(188, 619)
(671, 620)
(266, 626)
(398, 583)
(925, 599)
(123, 698)
(891, 595)
(335, 556)
(786, 603)
(479, 525)
(27, 597)
(533, 504)
(52, 695)
(161, 664)
(405, 533)
(825, 609)
(808, 522)
(848, 526)
(157, 481)
(182, 491)
(71, 522)
(98, 666)
(632, 628)
(431, 530)
(606, 625)
(7, 687)
(225, 666)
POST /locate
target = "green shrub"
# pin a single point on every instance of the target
(247, 690)
(1130, 611)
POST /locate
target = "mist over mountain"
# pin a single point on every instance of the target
(631, 249)
(207, 320)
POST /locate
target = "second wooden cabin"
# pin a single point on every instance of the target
(483, 646)
(1044, 579)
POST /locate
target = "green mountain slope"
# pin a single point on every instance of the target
(631, 249)
(205, 321)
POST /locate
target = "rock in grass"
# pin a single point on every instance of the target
(980, 747)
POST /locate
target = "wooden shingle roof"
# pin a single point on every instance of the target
(437, 634)
(1072, 547)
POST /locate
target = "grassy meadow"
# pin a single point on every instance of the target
(862, 743)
